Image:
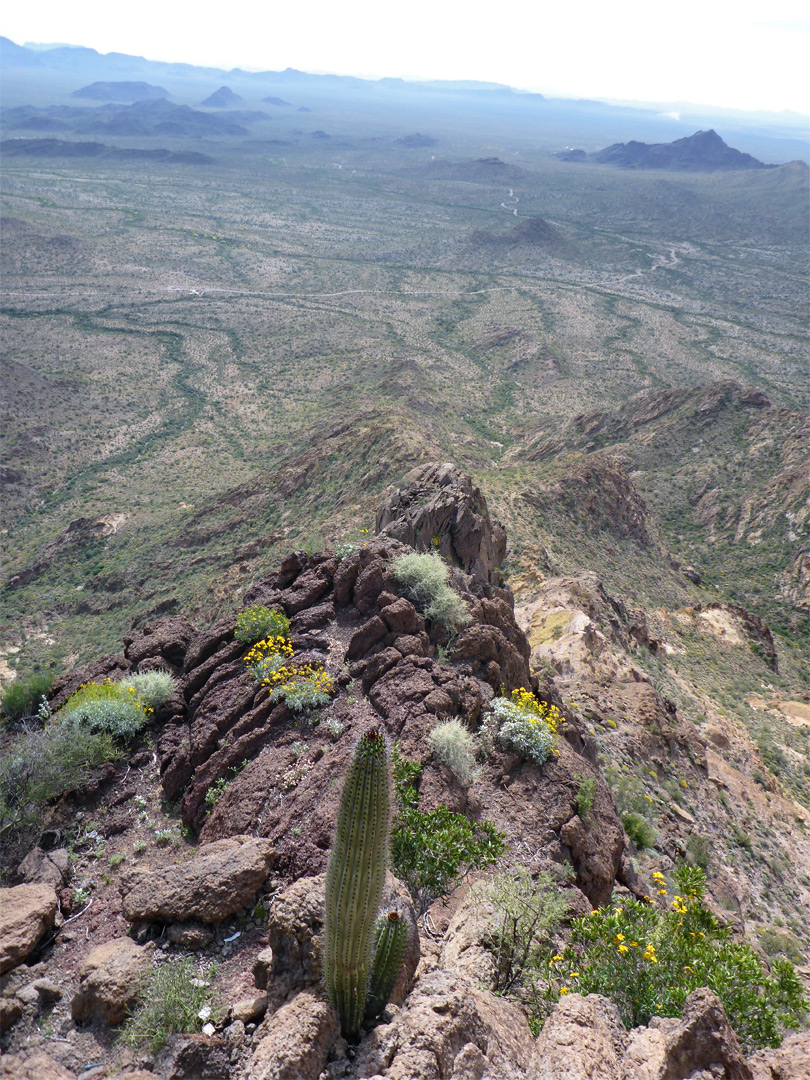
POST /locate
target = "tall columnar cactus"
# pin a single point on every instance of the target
(391, 934)
(355, 880)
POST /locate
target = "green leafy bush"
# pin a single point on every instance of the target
(639, 830)
(257, 623)
(454, 746)
(424, 578)
(108, 706)
(171, 1004)
(431, 852)
(24, 695)
(154, 688)
(524, 724)
(528, 911)
(649, 957)
(585, 794)
(41, 765)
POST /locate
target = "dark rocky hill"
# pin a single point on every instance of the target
(704, 151)
(224, 98)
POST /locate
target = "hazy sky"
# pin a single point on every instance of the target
(748, 54)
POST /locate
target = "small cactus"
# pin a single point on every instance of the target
(355, 880)
(391, 935)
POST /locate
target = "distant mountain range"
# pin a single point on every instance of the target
(60, 148)
(156, 117)
(704, 151)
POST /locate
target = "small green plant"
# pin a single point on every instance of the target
(154, 688)
(298, 749)
(215, 791)
(139, 846)
(425, 579)
(116, 860)
(639, 830)
(259, 623)
(344, 550)
(649, 957)
(528, 911)
(108, 706)
(171, 1003)
(524, 724)
(23, 697)
(585, 794)
(335, 728)
(454, 746)
(433, 851)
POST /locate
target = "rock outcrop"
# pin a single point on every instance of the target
(27, 912)
(439, 508)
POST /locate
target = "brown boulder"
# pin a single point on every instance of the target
(36, 1066)
(26, 913)
(790, 1061)
(295, 922)
(672, 1049)
(46, 867)
(583, 1039)
(294, 1042)
(111, 980)
(217, 881)
(447, 1028)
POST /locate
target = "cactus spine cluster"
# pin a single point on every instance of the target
(355, 880)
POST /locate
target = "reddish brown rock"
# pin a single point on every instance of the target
(294, 1042)
(111, 980)
(26, 913)
(437, 502)
(583, 1039)
(220, 879)
(447, 1025)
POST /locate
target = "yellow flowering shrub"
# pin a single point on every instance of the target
(648, 957)
(523, 723)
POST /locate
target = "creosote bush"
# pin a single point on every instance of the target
(257, 623)
(39, 766)
(433, 851)
(528, 910)
(454, 746)
(424, 577)
(524, 724)
(648, 957)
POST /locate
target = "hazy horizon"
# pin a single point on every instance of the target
(695, 56)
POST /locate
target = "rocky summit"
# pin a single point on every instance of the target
(201, 852)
